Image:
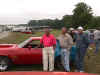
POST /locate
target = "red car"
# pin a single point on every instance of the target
(44, 73)
(24, 53)
(27, 32)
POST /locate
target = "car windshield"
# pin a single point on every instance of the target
(21, 45)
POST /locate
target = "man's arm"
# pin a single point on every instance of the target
(87, 39)
(70, 41)
(54, 42)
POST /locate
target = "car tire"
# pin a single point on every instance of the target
(4, 63)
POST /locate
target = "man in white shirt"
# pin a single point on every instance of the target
(97, 40)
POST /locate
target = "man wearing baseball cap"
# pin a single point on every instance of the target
(72, 33)
(82, 42)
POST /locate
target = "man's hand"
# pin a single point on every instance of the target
(38, 46)
(92, 45)
(54, 47)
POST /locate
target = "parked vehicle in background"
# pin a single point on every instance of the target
(27, 31)
(18, 29)
(0, 30)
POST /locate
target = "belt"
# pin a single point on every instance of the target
(48, 46)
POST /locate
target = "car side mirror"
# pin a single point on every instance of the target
(29, 47)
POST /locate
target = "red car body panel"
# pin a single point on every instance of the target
(44, 73)
(27, 56)
(22, 55)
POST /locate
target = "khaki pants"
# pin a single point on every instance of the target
(48, 58)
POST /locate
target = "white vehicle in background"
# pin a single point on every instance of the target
(1, 30)
(18, 29)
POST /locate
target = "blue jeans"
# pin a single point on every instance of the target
(80, 54)
(97, 42)
(65, 59)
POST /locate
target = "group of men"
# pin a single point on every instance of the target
(66, 39)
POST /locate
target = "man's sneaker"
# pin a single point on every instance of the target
(81, 71)
(51, 70)
(67, 71)
(76, 71)
(45, 70)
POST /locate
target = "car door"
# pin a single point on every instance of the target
(35, 56)
(29, 55)
(35, 52)
(21, 56)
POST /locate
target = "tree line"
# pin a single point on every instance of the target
(82, 16)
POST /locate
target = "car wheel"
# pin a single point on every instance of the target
(4, 63)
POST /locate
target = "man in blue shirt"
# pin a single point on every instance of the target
(82, 43)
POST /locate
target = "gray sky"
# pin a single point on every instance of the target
(21, 11)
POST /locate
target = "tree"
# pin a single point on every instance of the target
(82, 15)
(33, 23)
(58, 23)
(46, 22)
(95, 22)
(67, 20)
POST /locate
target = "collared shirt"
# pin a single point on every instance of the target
(48, 41)
(82, 40)
(66, 41)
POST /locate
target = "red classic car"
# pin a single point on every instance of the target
(24, 53)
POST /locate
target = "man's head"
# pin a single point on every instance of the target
(71, 29)
(47, 31)
(64, 30)
(80, 29)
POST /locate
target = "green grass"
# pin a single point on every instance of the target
(92, 61)
(55, 32)
(17, 37)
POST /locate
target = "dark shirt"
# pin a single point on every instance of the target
(82, 40)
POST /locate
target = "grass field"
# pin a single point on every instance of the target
(17, 37)
(92, 61)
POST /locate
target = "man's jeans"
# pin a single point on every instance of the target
(97, 42)
(48, 58)
(65, 59)
(80, 54)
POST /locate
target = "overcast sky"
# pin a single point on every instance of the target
(21, 11)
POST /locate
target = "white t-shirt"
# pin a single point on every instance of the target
(97, 34)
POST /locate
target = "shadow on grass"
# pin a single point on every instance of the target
(26, 68)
